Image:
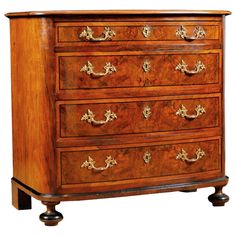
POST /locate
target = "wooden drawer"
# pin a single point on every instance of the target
(107, 70)
(128, 116)
(191, 32)
(168, 159)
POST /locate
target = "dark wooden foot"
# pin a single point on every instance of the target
(189, 191)
(20, 200)
(51, 217)
(218, 198)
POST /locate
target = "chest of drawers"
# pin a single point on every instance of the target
(116, 103)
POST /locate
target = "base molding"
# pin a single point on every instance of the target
(217, 182)
(21, 196)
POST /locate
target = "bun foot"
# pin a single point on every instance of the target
(218, 198)
(51, 217)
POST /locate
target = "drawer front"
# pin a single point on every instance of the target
(186, 32)
(118, 71)
(139, 162)
(124, 117)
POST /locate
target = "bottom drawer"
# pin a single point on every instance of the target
(127, 163)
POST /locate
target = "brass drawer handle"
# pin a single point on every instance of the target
(90, 164)
(89, 117)
(183, 155)
(183, 67)
(199, 33)
(107, 34)
(182, 112)
(88, 69)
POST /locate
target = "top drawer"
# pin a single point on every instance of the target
(181, 32)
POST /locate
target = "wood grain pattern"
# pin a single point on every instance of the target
(130, 72)
(70, 32)
(130, 118)
(131, 165)
(109, 186)
(33, 102)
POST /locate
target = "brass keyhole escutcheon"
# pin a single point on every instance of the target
(146, 31)
(146, 66)
(147, 157)
(147, 112)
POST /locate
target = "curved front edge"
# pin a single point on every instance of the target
(217, 182)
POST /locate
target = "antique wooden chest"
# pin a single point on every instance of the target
(116, 103)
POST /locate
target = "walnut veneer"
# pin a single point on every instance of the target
(116, 103)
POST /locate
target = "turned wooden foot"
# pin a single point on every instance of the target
(189, 191)
(20, 200)
(218, 198)
(51, 217)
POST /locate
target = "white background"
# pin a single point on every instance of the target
(158, 214)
